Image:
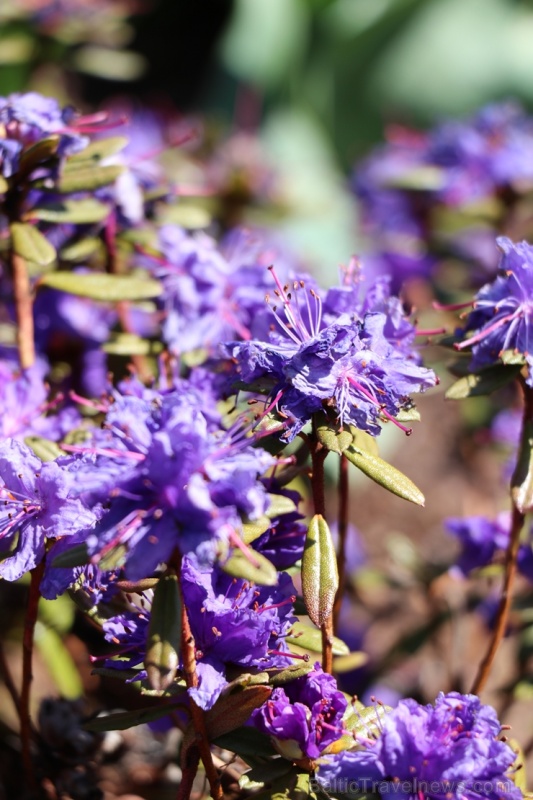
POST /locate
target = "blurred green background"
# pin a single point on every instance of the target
(318, 79)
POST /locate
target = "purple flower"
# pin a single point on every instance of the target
(37, 504)
(234, 622)
(503, 310)
(27, 118)
(480, 539)
(406, 187)
(443, 751)
(24, 399)
(364, 368)
(168, 477)
(305, 716)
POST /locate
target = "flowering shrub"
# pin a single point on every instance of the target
(169, 503)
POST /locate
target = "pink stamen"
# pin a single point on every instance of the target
(478, 337)
(103, 451)
(236, 541)
(452, 307)
(89, 403)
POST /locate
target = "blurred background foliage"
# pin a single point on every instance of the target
(318, 79)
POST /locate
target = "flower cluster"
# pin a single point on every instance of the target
(445, 750)
(410, 187)
(353, 356)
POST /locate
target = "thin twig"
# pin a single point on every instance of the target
(343, 532)
(318, 457)
(23, 311)
(517, 522)
(202, 741)
(505, 603)
(27, 675)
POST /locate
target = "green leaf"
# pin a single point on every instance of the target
(87, 179)
(44, 449)
(80, 251)
(320, 576)
(279, 677)
(311, 639)
(233, 710)
(480, 383)
(41, 151)
(186, 216)
(260, 570)
(128, 719)
(333, 439)
(510, 357)
(164, 634)
(345, 663)
(77, 556)
(518, 768)
(280, 505)
(129, 344)
(385, 474)
(4, 185)
(82, 212)
(100, 286)
(58, 614)
(96, 151)
(364, 441)
(246, 742)
(58, 661)
(423, 178)
(253, 530)
(408, 415)
(522, 480)
(114, 558)
(30, 243)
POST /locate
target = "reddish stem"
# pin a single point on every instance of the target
(23, 310)
(343, 533)
(318, 457)
(517, 522)
(201, 748)
(27, 674)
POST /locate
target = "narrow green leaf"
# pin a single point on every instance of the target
(246, 742)
(254, 568)
(128, 719)
(164, 634)
(364, 441)
(80, 251)
(114, 558)
(320, 576)
(311, 639)
(345, 663)
(233, 710)
(87, 179)
(44, 449)
(129, 344)
(522, 480)
(186, 215)
(253, 530)
(4, 185)
(96, 151)
(333, 439)
(82, 212)
(480, 383)
(58, 661)
(409, 415)
(386, 475)
(518, 770)
(41, 151)
(280, 505)
(100, 286)
(279, 677)
(510, 357)
(77, 556)
(30, 243)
